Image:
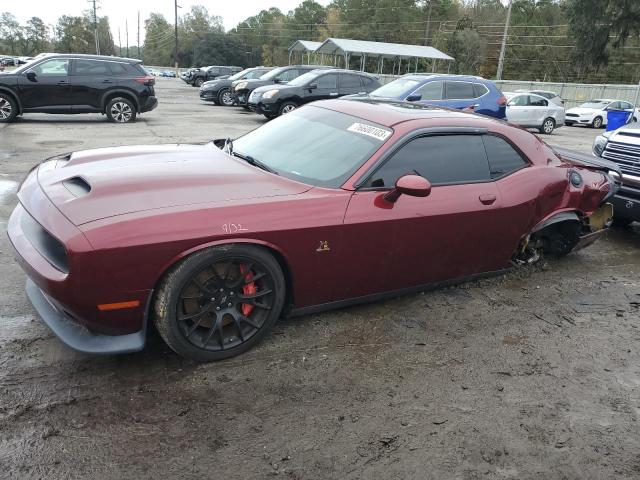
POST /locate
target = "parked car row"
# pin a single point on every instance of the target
(197, 76)
(594, 113)
(275, 91)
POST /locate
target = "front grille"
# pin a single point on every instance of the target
(572, 115)
(255, 96)
(625, 155)
(45, 243)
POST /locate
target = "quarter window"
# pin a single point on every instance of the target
(288, 75)
(537, 101)
(442, 160)
(119, 69)
(459, 90)
(503, 158)
(480, 89)
(430, 91)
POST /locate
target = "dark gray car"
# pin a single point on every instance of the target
(218, 91)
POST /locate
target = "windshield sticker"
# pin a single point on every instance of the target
(375, 132)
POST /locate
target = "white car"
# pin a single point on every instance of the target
(530, 110)
(594, 112)
(549, 95)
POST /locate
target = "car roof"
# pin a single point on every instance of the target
(92, 57)
(344, 70)
(442, 76)
(391, 112)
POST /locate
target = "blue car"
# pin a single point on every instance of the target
(453, 91)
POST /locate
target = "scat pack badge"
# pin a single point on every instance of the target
(324, 246)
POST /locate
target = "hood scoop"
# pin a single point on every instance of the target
(78, 186)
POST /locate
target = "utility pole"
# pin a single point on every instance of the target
(119, 43)
(504, 42)
(426, 31)
(139, 51)
(175, 50)
(95, 26)
(126, 28)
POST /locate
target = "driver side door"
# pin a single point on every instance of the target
(46, 87)
(423, 240)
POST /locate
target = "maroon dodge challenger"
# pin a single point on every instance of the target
(336, 203)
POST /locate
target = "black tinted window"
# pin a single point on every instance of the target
(328, 81)
(480, 89)
(503, 158)
(366, 81)
(459, 90)
(441, 160)
(288, 75)
(537, 101)
(430, 91)
(349, 81)
(91, 67)
(119, 69)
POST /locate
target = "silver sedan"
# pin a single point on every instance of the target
(533, 111)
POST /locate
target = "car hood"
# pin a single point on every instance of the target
(275, 86)
(215, 84)
(94, 184)
(254, 83)
(583, 111)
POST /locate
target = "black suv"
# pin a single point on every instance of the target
(218, 91)
(70, 83)
(241, 89)
(198, 77)
(275, 100)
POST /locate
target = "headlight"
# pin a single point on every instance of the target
(270, 94)
(241, 85)
(599, 145)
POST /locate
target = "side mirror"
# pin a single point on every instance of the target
(412, 185)
(312, 86)
(277, 80)
(414, 98)
(31, 76)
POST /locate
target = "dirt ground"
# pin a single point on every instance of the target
(531, 375)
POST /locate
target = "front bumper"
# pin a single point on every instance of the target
(241, 98)
(626, 205)
(208, 95)
(76, 336)
(150, 104)
(578, 120)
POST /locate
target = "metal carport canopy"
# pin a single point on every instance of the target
(342, 46)
(304, 46)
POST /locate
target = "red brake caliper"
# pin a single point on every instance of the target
(248, 289)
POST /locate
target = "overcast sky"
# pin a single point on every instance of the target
(120, 11)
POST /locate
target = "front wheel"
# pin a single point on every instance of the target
(219, 302)
(287, 107)
(121, 110)
(548, 126)
(198, 83)
(225, 98)
(597, 122)
(8, 108)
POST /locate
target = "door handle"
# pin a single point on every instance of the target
(107, 81)
(333, 94)
(63, 82)
(487, 198)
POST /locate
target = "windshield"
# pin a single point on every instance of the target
(314, 145)
(240, 75)
(303, 79)
(595, 104)
(273, 73)
(395, 89)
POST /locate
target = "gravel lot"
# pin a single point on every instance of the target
(534, 374)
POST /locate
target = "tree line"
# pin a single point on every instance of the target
(595, 41)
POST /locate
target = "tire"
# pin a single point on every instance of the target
(621, 222)
(287, 107)
(198, 82)
(121, 110)
(597, 122)
(8, 108)
(204, 319)
(548, 126)
(270, 116)
(225, 98)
